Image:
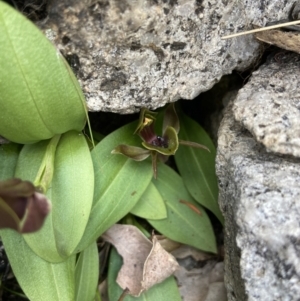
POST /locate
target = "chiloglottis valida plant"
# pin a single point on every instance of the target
(159, 147)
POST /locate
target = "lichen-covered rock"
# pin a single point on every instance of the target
(259, 197)
(145, 53)
(269, 104)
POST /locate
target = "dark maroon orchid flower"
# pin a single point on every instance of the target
(159, 147)
(21, 207)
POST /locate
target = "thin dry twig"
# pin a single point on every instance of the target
(125, 292)
(261, 29)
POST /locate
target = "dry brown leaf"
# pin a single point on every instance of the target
(159, 265)
(103, 290)
(168, 244)
(134, 248)
(285, 40)
(144, 264)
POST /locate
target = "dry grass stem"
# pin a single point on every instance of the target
(261, 29)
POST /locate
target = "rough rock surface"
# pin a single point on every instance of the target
(259, 197)
(269, 105)
(145, 53)
(200, 276)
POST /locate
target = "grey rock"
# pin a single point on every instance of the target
(145, 53)
(269, 105)
(198, 284)
(259, 197)
(200, 275)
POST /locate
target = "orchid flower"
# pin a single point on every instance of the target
(159, 147)
(22, 208)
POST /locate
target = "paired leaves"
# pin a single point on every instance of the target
(70, 192)
(39, 279)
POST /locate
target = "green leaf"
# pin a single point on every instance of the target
(119, 183)
(183, 224)
(197, 167)
(87, 274)
(151, 205)
(9, 154)
(71, 194)
(166, 290)
(40, 96)
(39, 279)
(97, 136)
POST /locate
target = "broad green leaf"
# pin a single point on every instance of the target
(197, 166)
(87, 274)
(119, 183)
(9, 154)
(183, 224)
(39, 95)
(71, 194)
(165, 291)
(151, 205)
(39, 279)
